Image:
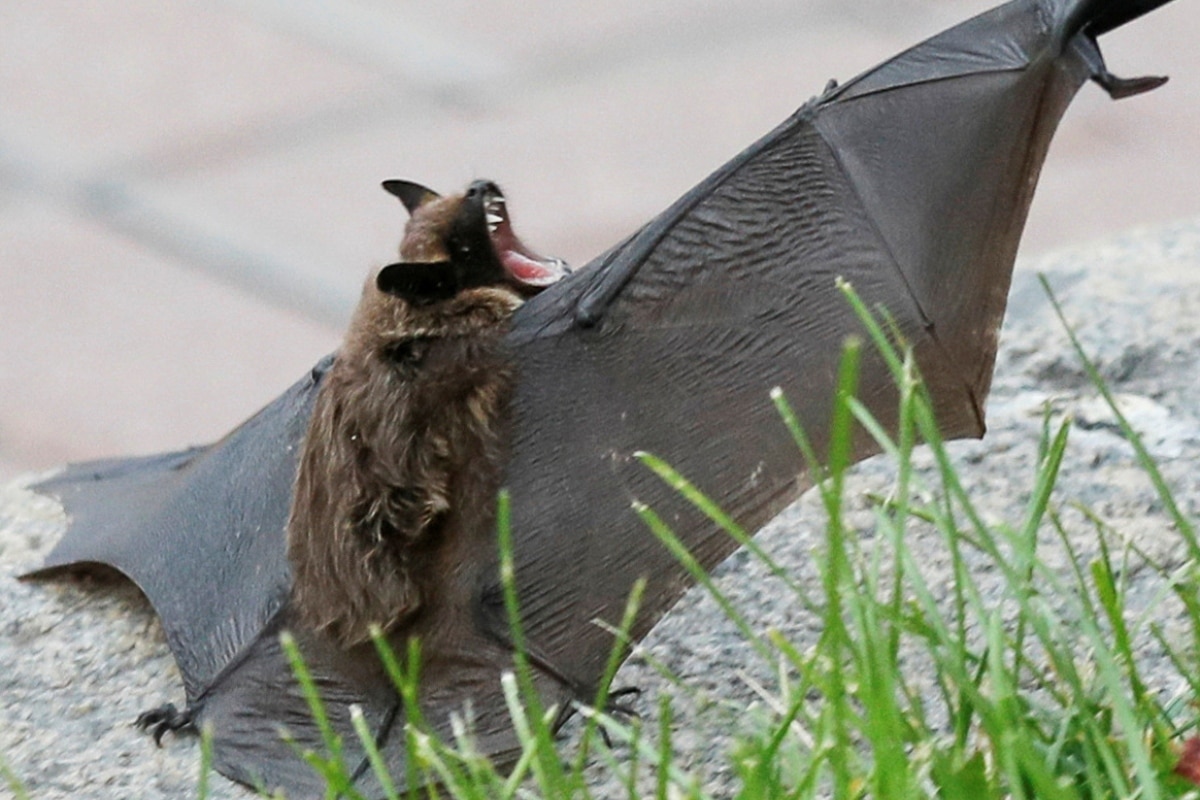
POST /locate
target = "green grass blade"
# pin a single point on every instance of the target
(539, 734)
(14, 783)
(884, 345)
(374, 757)
(670, 476)
(662, 782)
(206, 757)
(1182, 523)
(665, 535)
(616, 656)
(332, 766)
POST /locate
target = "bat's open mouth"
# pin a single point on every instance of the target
(524, 267)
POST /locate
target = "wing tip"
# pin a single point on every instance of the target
(1089, 19)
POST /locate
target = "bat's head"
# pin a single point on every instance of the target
(460, 242)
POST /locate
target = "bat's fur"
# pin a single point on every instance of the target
(405, 437)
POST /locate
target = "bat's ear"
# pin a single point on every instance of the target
(413, 195)
(418, 283)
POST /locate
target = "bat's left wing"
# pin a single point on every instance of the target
(912, 182)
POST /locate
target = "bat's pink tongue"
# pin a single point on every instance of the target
(529, 271)
(524, 267)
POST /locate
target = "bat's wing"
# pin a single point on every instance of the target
(201, 532)
(912, 182)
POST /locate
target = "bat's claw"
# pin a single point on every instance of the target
(165, 718)
(1117, 88)
(619, 705)
(1120, 88)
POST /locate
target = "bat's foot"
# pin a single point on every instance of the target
(619, 705)
(166, 718)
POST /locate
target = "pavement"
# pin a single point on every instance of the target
(189, 194)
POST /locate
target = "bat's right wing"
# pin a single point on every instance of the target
(201, 532)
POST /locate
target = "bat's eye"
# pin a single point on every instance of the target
(457, 244)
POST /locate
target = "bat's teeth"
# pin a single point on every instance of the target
(493, 220)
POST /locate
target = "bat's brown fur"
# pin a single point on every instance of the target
(404, 442)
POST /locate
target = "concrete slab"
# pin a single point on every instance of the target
(104, 82)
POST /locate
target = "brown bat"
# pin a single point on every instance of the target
(402, 459)
(912, 182)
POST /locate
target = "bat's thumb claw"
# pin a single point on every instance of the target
(1119, 88)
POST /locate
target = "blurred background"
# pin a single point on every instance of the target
(189, 191)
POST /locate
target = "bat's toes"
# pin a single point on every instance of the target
(165, 718)
(620, 704)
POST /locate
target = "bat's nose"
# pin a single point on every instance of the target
(482, 189)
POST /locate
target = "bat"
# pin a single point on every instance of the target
(912, 182)
(403, 453)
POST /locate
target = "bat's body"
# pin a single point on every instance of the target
(403, 455)
(911, 181)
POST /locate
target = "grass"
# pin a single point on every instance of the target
(1030, 683)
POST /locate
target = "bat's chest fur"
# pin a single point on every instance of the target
(400, 463)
